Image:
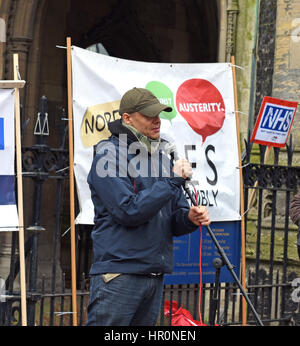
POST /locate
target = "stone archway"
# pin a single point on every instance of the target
(136, 30)
(19, 17)
(163, 31)
(23, 21)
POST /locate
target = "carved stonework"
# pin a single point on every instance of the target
(19, 45)
(19, 32)
(232, 12)
(266, 48)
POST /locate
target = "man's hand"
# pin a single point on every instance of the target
(182, 168)
(199, 216)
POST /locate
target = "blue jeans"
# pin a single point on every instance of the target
(127, 300)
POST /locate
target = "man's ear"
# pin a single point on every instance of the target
(126, 118)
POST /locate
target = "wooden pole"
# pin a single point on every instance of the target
(20, 195)
(72, 197)
(243, 236)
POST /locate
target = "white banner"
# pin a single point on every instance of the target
(8, 210)
(202, 123)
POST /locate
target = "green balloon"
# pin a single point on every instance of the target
(165, 96)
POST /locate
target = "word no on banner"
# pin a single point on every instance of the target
(274, 122)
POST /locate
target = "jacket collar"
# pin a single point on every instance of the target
(116, 128)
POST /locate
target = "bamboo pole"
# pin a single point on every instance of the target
(72, 197)
(243, 236)
(20, 195)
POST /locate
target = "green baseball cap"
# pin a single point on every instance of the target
(143, 101)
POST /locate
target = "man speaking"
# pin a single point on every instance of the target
(138, 210)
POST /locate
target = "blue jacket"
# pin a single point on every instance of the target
(136, 217)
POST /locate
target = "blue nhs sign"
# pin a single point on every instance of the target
(277, 118)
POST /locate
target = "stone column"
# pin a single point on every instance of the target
(24, 27)
(232, 12)
(286, 79)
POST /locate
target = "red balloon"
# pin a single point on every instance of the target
(202, 106)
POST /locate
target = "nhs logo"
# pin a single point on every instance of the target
(277, 118)
(1, 133)
(274, 122)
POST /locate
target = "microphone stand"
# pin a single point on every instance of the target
(225, 261)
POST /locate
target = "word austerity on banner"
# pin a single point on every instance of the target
(200, 107)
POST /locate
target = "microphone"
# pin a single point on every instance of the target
(169, 146)
(171, 149)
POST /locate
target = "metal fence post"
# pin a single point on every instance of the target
(41, 130)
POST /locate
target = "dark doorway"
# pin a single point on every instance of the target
(178, 31)
(158, 31)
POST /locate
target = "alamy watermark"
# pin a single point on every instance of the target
(296, 292)
(2, 30)
(133, 159)
(295, 34)
(2, 290)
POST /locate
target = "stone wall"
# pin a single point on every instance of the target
(286, 79)
(245, 38)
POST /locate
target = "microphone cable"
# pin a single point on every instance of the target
(200, 265)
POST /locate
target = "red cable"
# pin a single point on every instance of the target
(200, 265)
